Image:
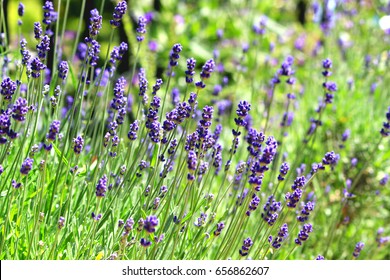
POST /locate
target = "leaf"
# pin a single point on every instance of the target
(4, 193)
(155, 155)
(59, 153)
(72, 76)
(82, 171)
(187, 217)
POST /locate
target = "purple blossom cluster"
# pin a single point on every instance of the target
(385, 131)
(150, 224)
(358, 248)
(294, 197)
(220, 227)
(101, 187)
(271, 209)
(119, 12)
(303, 234)
(305, 212)
(276, 242)
(247, 244)
(96, 110)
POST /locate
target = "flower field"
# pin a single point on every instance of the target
(200, 130)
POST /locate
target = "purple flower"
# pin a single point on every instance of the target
(282, 235)
(330, 86)
(327, 65)
(253, 204)
(331, 159)
(150, 223)
(16, 185)
(268, 153)
(95, 23)
(156, 203)
(134, 127)
(143, 82)
(119, 12)
(81, 51)
(303, 234)
(93, 53)
(283, 171)
(141, 28)
(271, 209)
(247, 244)
(26, 166)
(101, 187)
(21, 9)
(293, 198)
(96, 217)
(385, 131)
(61, 222)
(78, 144)
(384, 180)
(255, 139)
(320, 258)
(242, 111)
(53, 131)
(129, 225)
(63, 70)
(380, 239)
(175, 55)
(49, 15)
(191, 164)
(145, 243)
(36, 67)
(191, 63)
(24, 52)
(205, 74)
(261, 28)
(8, 88)
(358, 248)
(37, 30)
(119, 101)
(117, 55)
(346, 135)
(305, 212)
(20, 109)
(285, 68)
(287, 119)
(220, 227)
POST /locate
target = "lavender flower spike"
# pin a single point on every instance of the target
(101, 187)
(359, 246)
(78, 144)
(119, 12)
(20, 109)
(247, 244)
(150, 223)
(63, 69)
(141, 28)
(61, 222)
(207, 69)
(175, 55)
(385, 131)
(95, 23)
(26, 166)
(8, 88)
(37, 30)
(282, 235)
(191, 62)
(21, 9)
(303, 234)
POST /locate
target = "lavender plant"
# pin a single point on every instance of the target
(153, 138)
